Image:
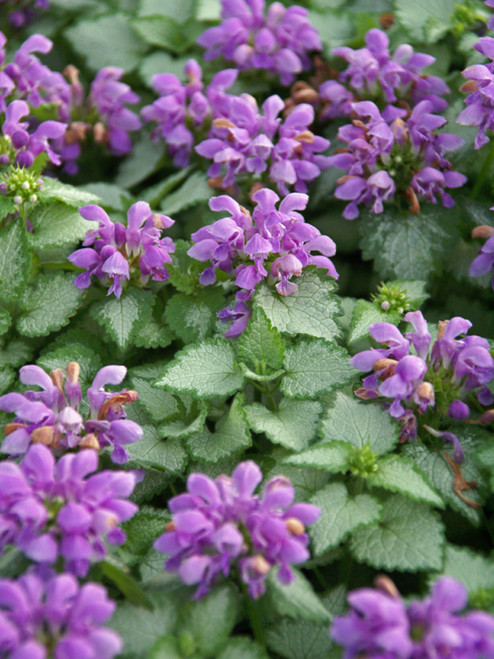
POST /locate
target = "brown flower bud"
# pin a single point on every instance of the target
(73, 371)
(90, 441)
(100, 133)
(43, 435)
(483, 231)
(57, 377)
(260, 564)
(384, 584)
(295, 526)
(441, 328)
(10, 427)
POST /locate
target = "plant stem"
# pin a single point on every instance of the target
(255, 621)
(484, 171)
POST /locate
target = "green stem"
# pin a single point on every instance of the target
(321, 579)
(255, 621)
(484, 171)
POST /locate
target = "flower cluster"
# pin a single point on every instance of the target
(23, 12)
(395, 152)
(221, 523)
(55, 612)
(480, 101)
(484, 263)
(119, 252)
(379, 624)
(21, 184)
(278, 42)
(183, 110)
(26, 83)
(52, 416)
(244, 142)
(52, 510)
(372, 73)
(274, 242)
(441, 377)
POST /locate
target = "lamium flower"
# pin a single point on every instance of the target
(54, 510)
(245, 143)
(380, 624)
(183, 111)
(484, 262)
(279, 41)
(274, 244)
(374, 74)
(54, 616)
(23, 12)
(480, 101)
(21, 184)
(432, 384)
(395, 152)
(220, 526)
(119, 253)
(52, 415)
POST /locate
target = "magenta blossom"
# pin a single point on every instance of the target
(119, 253)
(52, 510)
(52, 415)
(221, 524)
(278, 41)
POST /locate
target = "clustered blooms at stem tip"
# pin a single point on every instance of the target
(38, 612)
(380, 624)
(278, 42)
(273, 242)
(54, 511)
(432, 383)
(122, 253)
(220, 525)
(52, 416)
(396, 151)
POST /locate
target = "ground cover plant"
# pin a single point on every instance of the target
(246, 329)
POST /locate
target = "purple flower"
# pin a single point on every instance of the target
(118, 252)
(53, 417)
(393, 153)
(244, 143)
(278, 41)
(39, 616)
(221, 523)
(480, 101)
(52, 510)
(453, 368)
(380, 625)
(274, 243)
(182, 110)
(484, 262)
(373, 73)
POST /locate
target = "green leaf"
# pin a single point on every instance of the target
(189, 420)
(314, 367)
(122, 317)
(408, 246)
(209, 621)
(143, 529)
(7, 376)
(441, 476)
(56, 225)
(305, 481)
(297, 600)
(88, 360)
(333, 457)
(155, 193)
(158, 62)
(261, 345)
(48, 304)
(110, 195)
(178, 11)
(154, 451)
(360, 424)
(54, 189)
(192, 318)
(292, 425)
(398, 474)
(163, 32)
(206, 370)
(299, 639)
(311, 310)
(140, 163)
(158, 404)
(420, 17)
(165, 648)
(334, 29)
(208, 10)
(470, 568)
(154, 334)
(365, 314)
(6, 206)
(231, 436)
(415, 290)
(141, 628)
(126, 584)
(15, 261)
(16, 353)
(341, 514)
(5, 321)
(184, 270)
(242, 647)
(107, 40)
(410, 537)
(195, 190)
